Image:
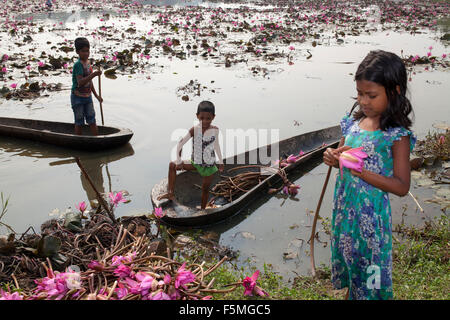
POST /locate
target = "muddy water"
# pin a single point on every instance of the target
(315, 93)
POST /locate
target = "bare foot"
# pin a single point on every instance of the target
(168, 195)
(209, 206)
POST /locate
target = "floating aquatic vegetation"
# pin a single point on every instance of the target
(260, 31)
(193, 88)
(435, 145)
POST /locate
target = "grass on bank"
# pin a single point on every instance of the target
(421, 270)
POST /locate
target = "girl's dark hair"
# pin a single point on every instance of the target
(387, 69)
(206, 106)
(81, 43)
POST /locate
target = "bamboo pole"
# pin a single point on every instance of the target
(313, 231)
(100, 94)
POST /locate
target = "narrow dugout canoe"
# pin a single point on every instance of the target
(62, 134)
(183, 211)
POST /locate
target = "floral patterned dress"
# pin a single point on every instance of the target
(361, 242)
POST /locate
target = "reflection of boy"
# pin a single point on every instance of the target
(94, 170)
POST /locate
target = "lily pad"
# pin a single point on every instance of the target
(48, 246)
(73, 222)
(66, 49)
(59, 261)
(110, 73)
(446, 37)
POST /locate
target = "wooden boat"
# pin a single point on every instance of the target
(183, 212)
(62, 134)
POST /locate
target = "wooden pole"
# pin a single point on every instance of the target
(100, 94)
(100, 199)
(313, 231)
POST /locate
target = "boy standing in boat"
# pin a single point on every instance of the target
(81, 98)
(205, 144)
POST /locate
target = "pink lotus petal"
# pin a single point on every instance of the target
(183, 277)
(291, 159)
(159, 213)
(352, 159)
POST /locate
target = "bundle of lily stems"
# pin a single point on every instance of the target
(232, 187)
(125, 271)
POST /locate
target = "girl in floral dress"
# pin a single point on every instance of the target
(361, 240)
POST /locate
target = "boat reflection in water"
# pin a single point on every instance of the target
(93, 162)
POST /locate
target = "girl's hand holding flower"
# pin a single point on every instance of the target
(331, 156)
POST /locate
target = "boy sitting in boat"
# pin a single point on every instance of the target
(205, 144)
(82, 87)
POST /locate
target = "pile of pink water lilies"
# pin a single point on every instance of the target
(135, 275)
(128, 269)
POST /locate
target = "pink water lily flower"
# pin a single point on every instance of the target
(121, 290)
(5, 295)
(250, 286)
(160, 295)
(4, 70)
(117, 198)
(249, 283)
(81, 206)
(116, 260)
(14, 85)
(56, 285)
(291, 159)
(146, 283)
(183, 277)
(159, 213)
(293, 189)
(122, 271)
(352, 159)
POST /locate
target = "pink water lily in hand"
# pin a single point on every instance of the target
(352, 159)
